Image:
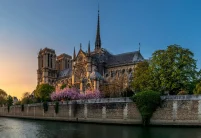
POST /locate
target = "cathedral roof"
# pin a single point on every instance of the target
(125, 58)
(65, 73)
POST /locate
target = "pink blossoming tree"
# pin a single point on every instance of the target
(74, 94)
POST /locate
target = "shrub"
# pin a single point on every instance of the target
(8, 108)
(45, 106)
(63, 86)
(182, 92)
(22, 108)
(9, 102)
(127, 92)
(147, 102)
(56, 108)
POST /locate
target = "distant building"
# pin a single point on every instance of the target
(15, 100)
(86, 70)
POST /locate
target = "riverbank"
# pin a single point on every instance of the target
(179, 110)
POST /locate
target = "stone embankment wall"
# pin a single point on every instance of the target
(175, 110)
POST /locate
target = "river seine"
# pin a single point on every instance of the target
(24, 128)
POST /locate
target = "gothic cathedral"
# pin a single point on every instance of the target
(86, 70)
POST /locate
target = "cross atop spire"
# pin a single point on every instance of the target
(80, 46)
(98, 38)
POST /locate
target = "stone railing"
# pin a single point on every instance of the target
(87, 101)
(181, 97)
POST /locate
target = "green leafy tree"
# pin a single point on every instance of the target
(27, 99)
(63, 86)
(3, 96)
(197, 89)
(173, 69)
(9, 100)
(196, 81)
(141, 77)
(147, 102)
(43, 92)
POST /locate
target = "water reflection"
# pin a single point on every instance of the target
(19, 128)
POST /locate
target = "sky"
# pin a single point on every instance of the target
(26, 26)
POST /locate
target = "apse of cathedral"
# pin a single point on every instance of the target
(86, 70)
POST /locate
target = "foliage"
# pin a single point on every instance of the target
(27, 98)
(9, 102)
(22, 107)
(65, 94)
(128, 92)
(172, 69)
(111, 90)
(45, 106)
(75, 107)
(141, 77)
(92, 94)
(18, 103)
(3, 96)
(8, 107)
(115, 88)
(56, 108)
(147, 102)
(197, 89)
(182, 92)
(63, 86)
(43, 92)
(74, 94)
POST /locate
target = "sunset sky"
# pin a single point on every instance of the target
(28, 25)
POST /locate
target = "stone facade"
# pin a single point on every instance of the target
(86, 70)
(113, 110)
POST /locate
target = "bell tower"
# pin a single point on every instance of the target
(46, 66)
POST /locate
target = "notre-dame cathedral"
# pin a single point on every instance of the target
(86, 70)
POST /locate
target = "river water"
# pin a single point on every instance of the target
(24, 128)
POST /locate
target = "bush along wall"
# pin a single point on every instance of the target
(75, 107)
(45, 106)
(8, 108)
(56, 107)
(147, 102)
(22, 107)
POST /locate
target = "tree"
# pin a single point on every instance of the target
(118, 87)
(173, 69)
(43, 91)
(9, 100)
(63, 86)
(27, 99)
(147, 102)
(197, 89)
(141, 77)
(3, 96)
(195, 82)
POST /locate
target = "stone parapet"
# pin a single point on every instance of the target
(174, 110)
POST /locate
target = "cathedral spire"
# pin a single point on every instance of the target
(139, 47)
(98, 38)
(89, 48)
(74, 54)
(80, 46)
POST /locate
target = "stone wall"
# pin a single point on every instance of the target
(173, 111)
